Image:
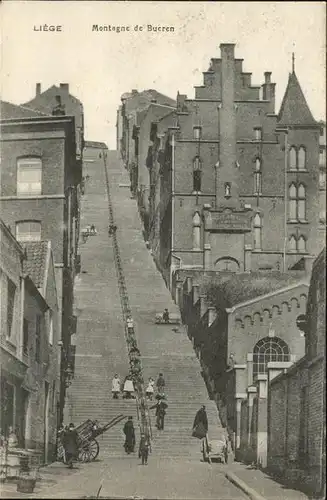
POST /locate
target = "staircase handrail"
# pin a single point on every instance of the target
(142, 410)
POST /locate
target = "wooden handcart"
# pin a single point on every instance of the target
(89, 448)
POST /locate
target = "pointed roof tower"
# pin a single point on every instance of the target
(294, 109)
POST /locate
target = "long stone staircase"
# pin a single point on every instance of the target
(101, 349)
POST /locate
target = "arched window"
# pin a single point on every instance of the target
(302, 158)
(197, 174)
(257, 232)
(266, 350)
(28, 230)
(196, 231)
(301, 209)
(292, 156)
(292, 202)
(301, 244)
(292, 244)
(257, 176)
(29, 176)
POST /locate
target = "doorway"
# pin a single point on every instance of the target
(46, 421)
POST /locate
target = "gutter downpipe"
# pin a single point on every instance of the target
(172, 206)
(285, 198)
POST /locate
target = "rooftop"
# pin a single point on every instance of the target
(36, 263)
(9, 110)
(226, 291)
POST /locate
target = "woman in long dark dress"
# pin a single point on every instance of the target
(129, 432)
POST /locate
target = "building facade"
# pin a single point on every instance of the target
(238, 324)
(297, 401)
(40, 194)
(242, 181)
(30, 357)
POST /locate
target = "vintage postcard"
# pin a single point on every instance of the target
(162, 250)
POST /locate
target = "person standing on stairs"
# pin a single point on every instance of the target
(150, 389)
(165, 316)
(200, 429)
(161, 384)
(129, 432)
(128, 388)
(115, 387)
(144, 448)
(130, 324)
(160, 407)
(201, 419)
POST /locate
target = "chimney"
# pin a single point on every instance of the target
(246, 77)
(58, 109)
(38, 89)
(134, 92)
(268, 91)
(181, 102)
(65, 87)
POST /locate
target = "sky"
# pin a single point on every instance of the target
(101, 66)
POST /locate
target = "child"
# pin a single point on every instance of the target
(144, 449)
(150, 389)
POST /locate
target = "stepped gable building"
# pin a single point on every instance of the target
(29, 342)
(58, 101)
(242, 181)
(40, 193)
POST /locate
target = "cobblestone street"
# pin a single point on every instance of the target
(175, 469)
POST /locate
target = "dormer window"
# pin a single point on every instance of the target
(197, 133)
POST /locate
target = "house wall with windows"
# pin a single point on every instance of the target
(43, 206)
(29, 344)
(250, 174)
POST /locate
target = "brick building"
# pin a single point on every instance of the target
(133, 142)
(241, 182)
(29, 342)
(296, 447)
(238, 323)
(40, 193)
(143, 178)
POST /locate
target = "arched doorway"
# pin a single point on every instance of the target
(228, 264)
(266, 350)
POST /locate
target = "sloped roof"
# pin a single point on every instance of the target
(95, 144)
(44, 102)
(9, 111)
(294, 109)
(160, 98)
(36, 262)
(227, 291)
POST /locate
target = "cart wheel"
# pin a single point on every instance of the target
(93, 449)
(84, 455)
